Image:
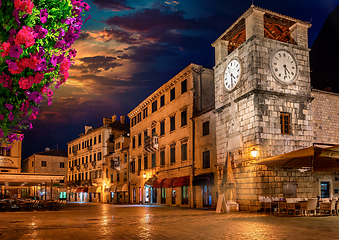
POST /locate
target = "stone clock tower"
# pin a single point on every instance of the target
(262, 99)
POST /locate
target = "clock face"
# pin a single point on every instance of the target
(232, 74)
(283, 66)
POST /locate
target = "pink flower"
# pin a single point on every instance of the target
(5, 46)
(49, 101)
(1, 117)
(49, 92)
(24, 6)
(10, 116)
(21, 137)
(25, 83)
(25, 36)
(9, 106)
(15, 51)
(30, 126)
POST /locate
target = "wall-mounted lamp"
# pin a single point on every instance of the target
(254, 153)
(144, 175)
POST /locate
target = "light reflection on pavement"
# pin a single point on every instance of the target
(106, 221)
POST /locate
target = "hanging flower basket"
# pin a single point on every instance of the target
(35, 55)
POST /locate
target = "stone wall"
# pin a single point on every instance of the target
(325, 113)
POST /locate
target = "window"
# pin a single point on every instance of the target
(153, 132)
(145, 134)
(99, 138)
(133, 142)
(90, 158)
(153, 160)
(206, 128)
(111, 138)
(62, 165)
(184, 86)
(132, 166)
(83, 145)
(172, 123)
(86, 175)
(95, 140)
(285, 123)
(125, 176)
(118, 177)
(184, 118)
(154, 106)
(139, 139)
(83, 160)
(99, 156)
(184, 152)
(206, 159)
(162, 158)
(162, 128)
(117, 145)
(145, 112)
(145, 162)
(94, 157)
(139, 164)
(290, 189)
(90, 142)
(70, 150)
(4, 152)
(134, 120)
(106, 172)
(86, 159)
(163, 195)
(139, 117)
(172, 153)
(82, 176)
(172, 93)
(43, 164)
(125, 158)
(112, 178)
(162, 101)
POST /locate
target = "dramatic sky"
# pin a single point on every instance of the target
(131, 47)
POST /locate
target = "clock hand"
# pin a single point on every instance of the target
(286, 69)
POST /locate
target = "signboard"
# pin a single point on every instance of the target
(221, 206)
(235, 142)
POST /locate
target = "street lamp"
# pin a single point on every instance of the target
(144, 175)
(254, 153)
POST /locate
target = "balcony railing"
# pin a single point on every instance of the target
(115, 164)
(78, 167)
(71, 168)
(89, 148)
(94, 163)
(151, 144)
(75, 153)
(85, 165)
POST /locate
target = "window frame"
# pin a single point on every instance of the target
(172, 124)
(172, 94)
(183, 118)
(184, 86)
(205, 163)
(205, 130)
(283, 124)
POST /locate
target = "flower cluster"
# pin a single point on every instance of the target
(35, 55)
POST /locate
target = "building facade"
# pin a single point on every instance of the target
(85, 175)
(165, 130)
(47, 162)
(264, 105)
(10, 158)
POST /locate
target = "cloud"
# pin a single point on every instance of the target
(116, 35)
(96, 64)
(150, 20)
(148, 53)
(114, 5)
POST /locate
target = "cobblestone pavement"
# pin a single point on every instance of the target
(105, 221)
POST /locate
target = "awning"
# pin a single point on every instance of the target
(168, 183)
(205, 179)
(320, 159)
(150, 181)
(181, 181)
(158, 183)
(62, 190)
(73, 190)
(112, 188)
(122, 187)
(92, 189)
(99, 189)
(125, 188)
(82, 189)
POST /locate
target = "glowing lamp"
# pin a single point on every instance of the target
(144, 175)
(254, 153)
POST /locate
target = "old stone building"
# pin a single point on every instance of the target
(264, 107)
(85, 176)
(166, 128)
(10, 158)
(117, 172)
(47, 162)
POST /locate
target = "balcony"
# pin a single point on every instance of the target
(89, 148)
(151, 144)
(78, 167)
(94, 163)
(71, 168)
(115, 164)
(75, 153)
(86, 165)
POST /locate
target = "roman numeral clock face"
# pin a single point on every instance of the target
(232, 74)
(284, 66)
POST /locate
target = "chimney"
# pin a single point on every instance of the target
(122, 119)
(87, 128)
(106, 121)
(114, 118)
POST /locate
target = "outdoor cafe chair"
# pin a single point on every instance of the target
(327, 207)
(311, 206)
(267, 204)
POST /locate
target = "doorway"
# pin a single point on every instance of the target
(207, 196)
(325, 189)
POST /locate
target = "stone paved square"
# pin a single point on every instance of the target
(107, 221)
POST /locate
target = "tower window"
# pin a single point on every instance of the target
(285, 123)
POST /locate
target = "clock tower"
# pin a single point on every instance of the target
(262, 99)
